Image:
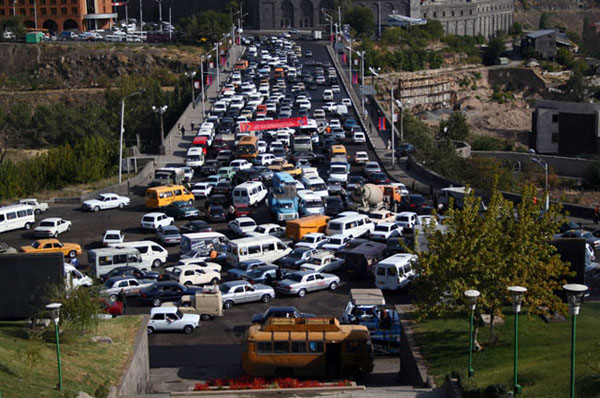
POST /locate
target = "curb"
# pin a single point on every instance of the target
(267, 391)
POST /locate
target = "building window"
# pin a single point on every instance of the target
(554, 137)
(43, 2)
(2, 12)
(73, 1)
(21, 2)
(30, 1)
(470, 12)
(53, 11)
(555, 118)
(31, 11)
(52, 1)
(424, 15)
(435, 14)
(74, 10)
(44, 11)
(63, 10)
(461, 12)
(452, 13)
(22, 11)
(444, 14)
(63, 2)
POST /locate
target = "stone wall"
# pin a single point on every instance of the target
(519, 78)
(413, 369)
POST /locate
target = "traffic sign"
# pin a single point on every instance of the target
(367, 89)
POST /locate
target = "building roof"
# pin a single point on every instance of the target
(540, 33)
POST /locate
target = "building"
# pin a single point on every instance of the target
(460, 17)
(565, 128)
(61, 15)
(544, 43)
(591, 37)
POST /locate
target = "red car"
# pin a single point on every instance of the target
(113, 308)
(241, 210)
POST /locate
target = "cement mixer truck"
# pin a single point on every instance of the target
(366, 198)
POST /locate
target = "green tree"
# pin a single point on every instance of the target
(205, 27)
(544, 21)
(455, 127)
(361, 19)
(576, 88)
(516, 29)
(13, 25)
(505, 246)
(495, 48)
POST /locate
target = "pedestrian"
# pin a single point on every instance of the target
(596, 214)
(407, 165)
(389, 145)
(430, 189)
(193, 126)
(182, 130)
(414, 185)
(123, 299)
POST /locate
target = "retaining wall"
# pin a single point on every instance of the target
(413, 369)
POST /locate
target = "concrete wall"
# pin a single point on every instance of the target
(569, 167)
(519, 78)
(136, 377)
(413, 369)
(545, 127)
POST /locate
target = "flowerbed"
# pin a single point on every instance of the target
(259, 383)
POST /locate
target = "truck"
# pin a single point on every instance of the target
(207, 303)
(456, 195)
(167, 176)
(283, 202)
(317, 35)
(366, 198)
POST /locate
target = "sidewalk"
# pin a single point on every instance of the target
(378, 139)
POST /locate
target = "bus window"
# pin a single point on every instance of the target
(315, 346)
(281, 347)
(298, 346)
(265, 347)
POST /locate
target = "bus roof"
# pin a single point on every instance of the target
(306, 329)
(248, 139)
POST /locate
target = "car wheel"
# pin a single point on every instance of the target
(206, 317)
(333, 286)
(156, 302)
(156, 263)
(188, 329)
(265, 298)
(37, 212)
(121, 205)
(113, 297)
(72, 254)
(190, 202)
(187, 283)
(228, 304)
(55, 235)
(214, 281)
(302, 293)
(28, 226)
(68, 228)
(96, 209)
(149, 330)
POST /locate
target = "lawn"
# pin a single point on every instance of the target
(28, 366)
(544, 353)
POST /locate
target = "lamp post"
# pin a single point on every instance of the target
(160, 13)
(202, 85)
(161, 110)
(401, 105)
(54, 308)
(393, 138)
(517, 293)
(191, 76)
(141, 23)
(542, 163)
(350, 61)
(575, 293)
(471, 296)
(217, 61)
(123, 130)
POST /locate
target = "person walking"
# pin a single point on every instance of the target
(182, 130)
(193, 126)
(596, 214)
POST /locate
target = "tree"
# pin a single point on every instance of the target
(455, 127)
(505, 246)
(516, 29)
(576, 88)
(206, 26)
(361, 19)
(495, 48)
(13, 25)
(544, 21)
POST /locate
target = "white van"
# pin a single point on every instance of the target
(395, 272)
(266, 248)
(75, 279)
(310, 203)
(150, 251)
(16, 217)
(317, 185)
(194, 157)
(353, 226)
(249, 193)
(102, 261)
(200, 240)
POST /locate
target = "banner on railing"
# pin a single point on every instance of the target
(273, 124)
(209, 79)
(355, 78)
(381, 123)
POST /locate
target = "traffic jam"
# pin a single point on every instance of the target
(278, 198)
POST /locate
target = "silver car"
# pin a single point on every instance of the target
(303, 282)
(238, 292)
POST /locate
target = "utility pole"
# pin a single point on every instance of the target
(340, 17)
(218, 61)
(35, 14)
(141, 23)
(350, 63)
(379, 18)
(160, 13)
(170, 26)
(202, 85)
(393, 128)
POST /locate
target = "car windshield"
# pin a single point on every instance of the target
(112, 237)
(286, 205)
(295, 254)
(402, 219)
(260, 230)
(171, 232)
(295, 277)
(216, 211)
(315, 261)
(382, 228)
(335, 241)
(309, 239)
(35, 245)
(247, 224)
(318, 187)
(47, 224)
(335, 226)
(338, 170)
(376, 216)
(179, 314)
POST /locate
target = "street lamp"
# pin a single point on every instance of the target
(123, 130)
(161, 110)
(401, 106)
(542, 163)
(471, 296)
(191, 76)
(517, 293)
(54, 308)
(575, 293)
(361, 54)
(202, 83)
(374, 73)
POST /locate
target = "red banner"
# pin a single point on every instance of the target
(273, 124)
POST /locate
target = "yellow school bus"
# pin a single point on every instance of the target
(292, 347)
(166, 194)
(296, 229)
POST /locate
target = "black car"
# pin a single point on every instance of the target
(379, 178)
(414, 202)
(129, 271)
(223, 188)
(404, 149)
(355, 181)
(210, 167)
(280, 312)
(196, 226)
(266, 274)
(354, 243)
(334, 205)
(216, 213)
(220, 200)
(312, 86)
(308, 155)
(246, 175)
(167, 291)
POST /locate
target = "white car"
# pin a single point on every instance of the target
(276, 145)
(379, 216)
(361, 157)
(319, 114)
(407, 219)
(38, 207)
(199, 262)
(335, 123)
(192, 274)
(359, 138)
(268, 229)
(240, 164)
(129, 285)
(106, 201)
(242, 225)
(264, 159)
(335, 88)
(386, 230)
(322, 261)
(112, 236)
(51, 227)
(262, 146)
(327, 95)
(330, 107)
(155, 220)
(346, 101)
(338, 172)
(313, 240)
(371, 167)
(336, 242)
(403, 191)
(202, 190)
(171, 318)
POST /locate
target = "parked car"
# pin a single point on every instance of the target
(112, 236)
(106, 201)
(51, 227)
(193, 274)
(323, 261)
(129, 270)
(202, 190)
(243, 267)
(242, 226)
(166, 291)
(579, 233)
(302, 282)
(216, 214)
(180, 209)
(385, 230)
(238, 292)
(52, 246)
(280, 312)
(129, 285)
(196, 226)
(334, 205)
(168, 235)
(296, 257)
(172, 319)
(268, 229)
(38, 207)
(361, 157)
(313, 240)
(336, 242)
(266, 274)
(155, 220)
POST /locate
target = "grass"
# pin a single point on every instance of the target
(544, 353)
(28, 366)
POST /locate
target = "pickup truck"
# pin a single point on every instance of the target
(38, 207)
